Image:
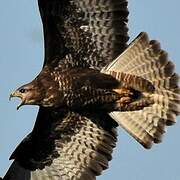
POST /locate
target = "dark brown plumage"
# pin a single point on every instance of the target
(78, 89)
(81, 82)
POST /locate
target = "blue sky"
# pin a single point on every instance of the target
(21, 58)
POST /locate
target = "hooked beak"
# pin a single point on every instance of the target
(19, 95)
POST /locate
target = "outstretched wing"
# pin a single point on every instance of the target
(64, 145)
(84, 32)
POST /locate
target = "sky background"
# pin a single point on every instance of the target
(21, 58)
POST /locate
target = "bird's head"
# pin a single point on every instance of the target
(28, 94)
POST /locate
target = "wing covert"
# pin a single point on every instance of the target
(107, 25)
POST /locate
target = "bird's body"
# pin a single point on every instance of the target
(78, 87)
(81, 89)
(90, 83)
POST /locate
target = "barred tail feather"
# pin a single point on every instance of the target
(145, 59)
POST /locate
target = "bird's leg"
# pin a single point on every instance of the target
(123, 92)
(129, 101)
(124, 100)
(127, 105)
(125, 95)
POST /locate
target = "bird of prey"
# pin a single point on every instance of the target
(90, 83)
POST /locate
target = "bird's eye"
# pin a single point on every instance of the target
(22, 90)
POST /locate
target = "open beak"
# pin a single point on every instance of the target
(19, 95)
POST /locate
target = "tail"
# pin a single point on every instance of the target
(146, 61)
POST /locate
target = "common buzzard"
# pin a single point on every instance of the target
(90, 83)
